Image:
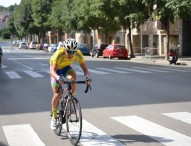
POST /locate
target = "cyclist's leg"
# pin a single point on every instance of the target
(55, 98)
(71, 75)
(67, 72)
(55, 102)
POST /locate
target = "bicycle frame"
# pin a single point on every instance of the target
(69, 95)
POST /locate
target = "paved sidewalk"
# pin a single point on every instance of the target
(182, 61)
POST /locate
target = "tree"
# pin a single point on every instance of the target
(55, 20)
(5, 33)
(41, 11)
(158, 10)
(180, 9)
(11, 25)
(127, 13)
(89, 16)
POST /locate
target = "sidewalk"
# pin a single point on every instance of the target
(182, 61)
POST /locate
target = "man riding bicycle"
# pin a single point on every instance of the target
(60, 64)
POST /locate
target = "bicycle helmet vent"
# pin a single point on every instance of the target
(71, 45)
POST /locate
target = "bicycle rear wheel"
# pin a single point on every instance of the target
(74, 120)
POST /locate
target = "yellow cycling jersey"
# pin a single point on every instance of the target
(59, 58)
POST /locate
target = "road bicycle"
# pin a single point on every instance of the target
(70, 112)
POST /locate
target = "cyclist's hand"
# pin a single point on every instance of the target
(59, 80)
(88, 80)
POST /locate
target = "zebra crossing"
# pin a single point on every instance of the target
(91, 135)
(99, 71)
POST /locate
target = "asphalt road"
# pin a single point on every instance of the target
(130, 103)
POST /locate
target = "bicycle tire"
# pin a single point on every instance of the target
(74, 121)
(59, 123)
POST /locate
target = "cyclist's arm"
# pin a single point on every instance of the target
(53, 68)
(85, 69)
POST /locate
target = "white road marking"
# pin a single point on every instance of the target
(33, 74)
(182, 116)
(3, 66)
(113, 70)
(22, 64)
(13, 75)
(47, 71)
(164, 135)
(42, 64)
(79, 73)
(29, 58)
(97, 72)
(133, 70)
(91, 135)
(22, 135)
(171, 69)
(150, 69)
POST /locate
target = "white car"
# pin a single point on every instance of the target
(33, 45)
(23, 45)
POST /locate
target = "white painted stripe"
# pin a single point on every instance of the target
(3, 66)
(22, 135)
(33, 74)
(29, 58)
(164, 135)
(91, 135)
(134, 70)
(97, 72)
(22, 64)
(47, 71)
(171, 69)
(150, 69)
(42, 64)
(79, 73)
(113, 70)
(13, 75)
(182, 116)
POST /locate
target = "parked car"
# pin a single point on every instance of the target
(33, 45)
(53, 48)
(98, 50)
(84, 49)
(115, 50)
(23, 45)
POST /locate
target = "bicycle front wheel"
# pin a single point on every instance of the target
(74, 120)
(59, 123)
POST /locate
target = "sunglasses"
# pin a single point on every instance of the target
(71, 52)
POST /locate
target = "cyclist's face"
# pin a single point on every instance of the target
(70, 54)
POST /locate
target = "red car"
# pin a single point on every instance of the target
(115, 50)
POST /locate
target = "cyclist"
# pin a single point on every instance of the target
(60, 64)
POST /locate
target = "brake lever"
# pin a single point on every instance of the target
(87, 88)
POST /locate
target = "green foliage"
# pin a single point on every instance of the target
(55, 17)
(39, 16)
(8, 9)
(41, 11)
(5, 33)
(179, 8)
